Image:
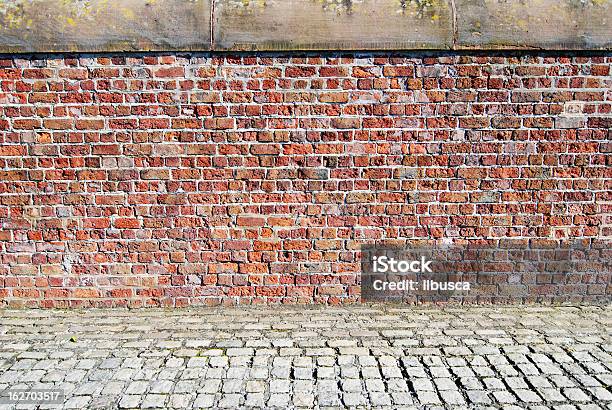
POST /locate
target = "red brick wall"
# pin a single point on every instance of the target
(199, 179)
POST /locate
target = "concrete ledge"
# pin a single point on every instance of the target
(190, 25)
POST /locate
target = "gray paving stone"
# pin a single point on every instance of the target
(102, 402)
(422, 385)
(204, 401)
(351, 385)
(353, 399)
(326, 373)
(281, 372)
(303, 373)
(197, 362)
(349, 372)
(504, 396)
(527, 396)
(428, 397)
(255, 400)
(230, 401)
(113, 388)
(303, 399)
(492, 383)
(534, 358)
(218, 361)
(445, 384)
(280, 386)
(375, 385)
(77, 402)
(553, 395)
(180, 401)
(328, 398)
(279, 400)
(303, 386)
(154, 401)
(452, 397)
(601, 393)
(161, 387)
(576, 395)
(402, 398)
(478, 397)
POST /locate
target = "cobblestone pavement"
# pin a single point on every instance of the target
(296, 357)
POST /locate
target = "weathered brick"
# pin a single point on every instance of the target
(258, 177)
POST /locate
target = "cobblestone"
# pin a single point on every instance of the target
(292, 357)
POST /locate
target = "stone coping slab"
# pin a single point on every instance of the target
(223, 25)
(103, 25)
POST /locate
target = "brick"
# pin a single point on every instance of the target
(58, 124)
(300, 71)
(474, 122)
(169, 72)
(12, 150)
(340, 97)
(600, 122)
(155, 174)
(74, 73)
(187, 123)
(27, 124)
(398, 71)
(89, 124)
(219, 123)
(333, 72)
(345, 123)
(112, 149)
(250, 221)
(526, 96)
(165, 180)
(126, 223)
(571, 122)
